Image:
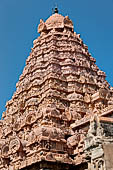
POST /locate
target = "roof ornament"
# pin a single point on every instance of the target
(56, 9)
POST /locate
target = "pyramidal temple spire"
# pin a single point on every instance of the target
(61, 88)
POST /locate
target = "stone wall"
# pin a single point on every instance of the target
(99, 145)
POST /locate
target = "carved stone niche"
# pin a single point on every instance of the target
(5, 151)
(15, 145)
(5, 159)
(30, 118)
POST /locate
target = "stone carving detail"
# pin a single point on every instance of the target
(5, 151)
(30, 118)
(68, 22)
(42, 26)
(94, 142)
(14, 145)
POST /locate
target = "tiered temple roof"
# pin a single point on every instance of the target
(59, 91)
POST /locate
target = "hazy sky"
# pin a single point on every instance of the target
(19, 19)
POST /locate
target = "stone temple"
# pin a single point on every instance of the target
(61, 115)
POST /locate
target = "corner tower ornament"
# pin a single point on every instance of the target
(61, 115)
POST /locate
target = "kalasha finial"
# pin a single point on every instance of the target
(56, 9)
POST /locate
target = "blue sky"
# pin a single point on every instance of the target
(19, 19)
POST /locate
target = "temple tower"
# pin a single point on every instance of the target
(60, 89)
